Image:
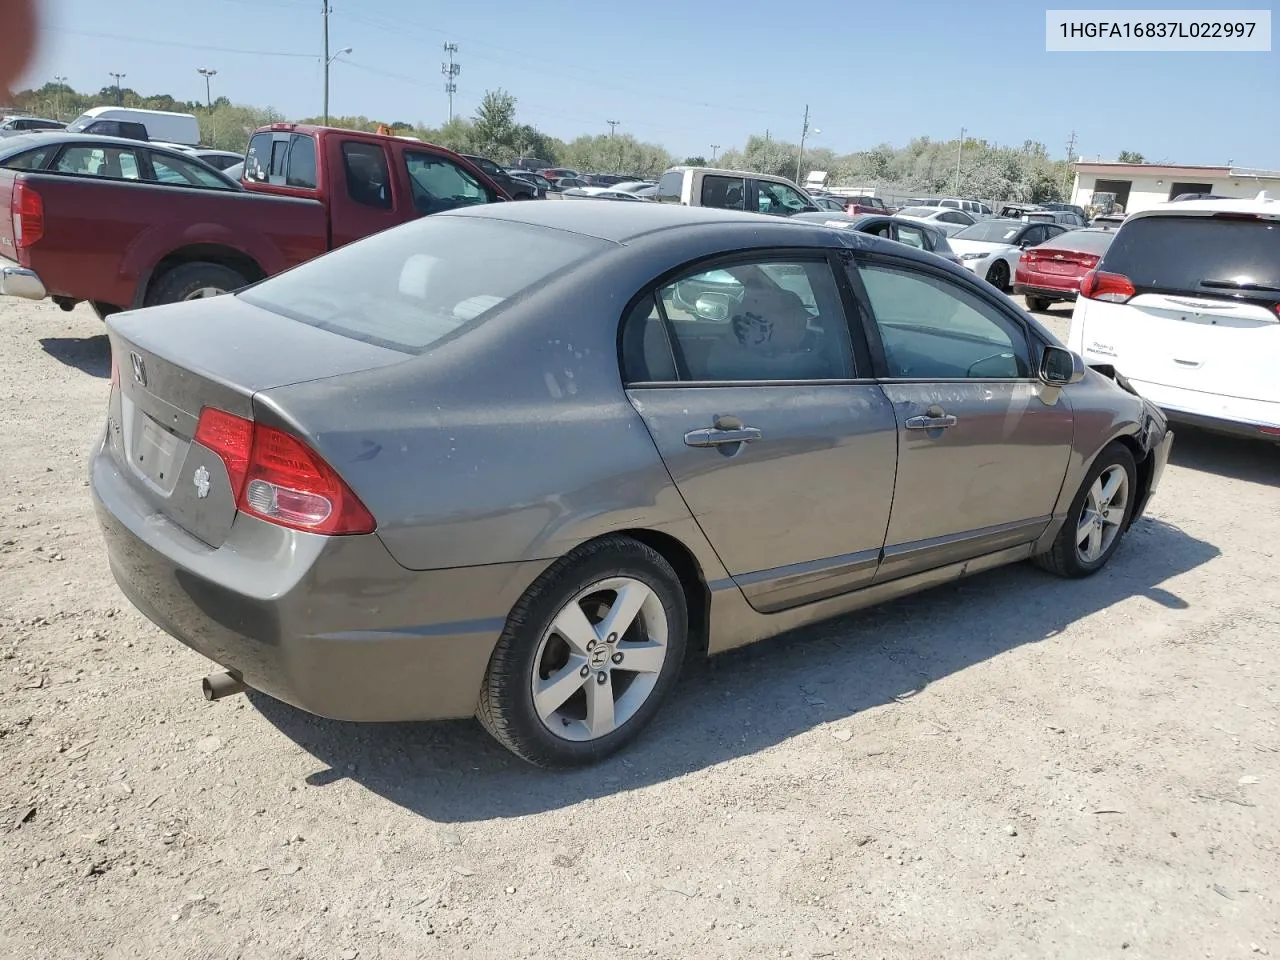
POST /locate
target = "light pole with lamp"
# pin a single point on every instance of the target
(329, 60)
(208, 75)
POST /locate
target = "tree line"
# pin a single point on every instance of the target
(974, 168)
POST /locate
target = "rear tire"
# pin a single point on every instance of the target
(103, 310)
(1038, 304)
(1098, 517)
(567, 722)
(192, 281)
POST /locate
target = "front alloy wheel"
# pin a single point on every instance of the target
(1105, 509)
(1098, 517)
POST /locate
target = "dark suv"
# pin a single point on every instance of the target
(516, 189)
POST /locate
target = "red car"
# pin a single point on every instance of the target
(1052, 270)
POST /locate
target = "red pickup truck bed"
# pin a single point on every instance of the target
(121, 244)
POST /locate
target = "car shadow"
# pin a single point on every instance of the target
(749, 699)
(1238, 458)
(92, 355)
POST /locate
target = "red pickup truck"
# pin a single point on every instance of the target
(114, 235)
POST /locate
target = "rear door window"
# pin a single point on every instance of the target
(301, 164)
(114, 163)
(365, 166)
(1199, 255)
(723, 193)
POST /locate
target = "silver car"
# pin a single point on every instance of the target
(517, 460)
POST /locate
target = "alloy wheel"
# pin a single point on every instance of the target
(1102, 514)
(600, 660)
(202, 293)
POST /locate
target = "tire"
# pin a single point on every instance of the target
(1038, 304)
(102, 310)
(998, 276)
(1065, 558)
(188, 280)
(531, 646)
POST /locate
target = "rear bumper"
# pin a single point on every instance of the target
(18, 281)
(333, 626)
(1037, 287)
(1210, 411)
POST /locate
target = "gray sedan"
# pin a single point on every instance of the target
(516, 460)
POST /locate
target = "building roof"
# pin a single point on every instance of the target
(1173, 170)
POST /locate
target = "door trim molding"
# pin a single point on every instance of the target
(905, 559)
(781, 587)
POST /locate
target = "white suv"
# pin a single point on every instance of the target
(1185, 304)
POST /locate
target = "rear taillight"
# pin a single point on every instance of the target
(1270, 431)
(278, 478)
(1112, 287)
(28, 215)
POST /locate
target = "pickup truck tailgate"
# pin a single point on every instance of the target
(8, 243)
(172, 362)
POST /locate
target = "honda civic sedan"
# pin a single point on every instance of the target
(517, 461)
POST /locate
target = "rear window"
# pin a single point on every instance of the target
(1085, 241)
(412, 286)
(670, 186)
(1181, 254)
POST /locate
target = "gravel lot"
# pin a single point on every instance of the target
(1013, 766)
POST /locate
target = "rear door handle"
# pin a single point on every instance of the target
(718, 436)
(930, 423)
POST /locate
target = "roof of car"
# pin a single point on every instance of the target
(1263, 205)
(27, 140)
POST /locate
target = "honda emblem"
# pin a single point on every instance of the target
(139, 369)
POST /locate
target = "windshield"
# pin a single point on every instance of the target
(1204, 255)
(80, 122)
(408, 287)
(990, 231)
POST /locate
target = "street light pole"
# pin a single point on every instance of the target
(715, 148)
(207, 74)
(803, 134)
(119, 93)
(959, 154)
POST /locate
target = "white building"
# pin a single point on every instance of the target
(1139, 186)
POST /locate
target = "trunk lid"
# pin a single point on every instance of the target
(173, 361)
(1066, 263)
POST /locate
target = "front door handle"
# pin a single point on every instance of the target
(930, 423)
(718, 436)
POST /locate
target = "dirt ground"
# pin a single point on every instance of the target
(1012, 766)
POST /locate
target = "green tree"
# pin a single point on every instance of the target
(694, 162)
(1130, 156)
(493, 129)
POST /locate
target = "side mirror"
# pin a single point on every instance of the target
(1059, 367)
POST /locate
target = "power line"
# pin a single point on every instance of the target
(175, 43)
(400, 27)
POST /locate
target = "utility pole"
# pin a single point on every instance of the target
(804, 132)
(959, 154)
(715, 148)
(326, 10)
(613, 125)
(450, 70)
(1071, 152)
(207, 74)
(61, 82)
(119, 93)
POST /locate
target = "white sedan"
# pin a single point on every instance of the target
(946, 219)
(991, 248)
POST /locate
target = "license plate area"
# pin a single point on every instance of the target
(157, 453)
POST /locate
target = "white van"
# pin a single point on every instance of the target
(1185, 304)
(162, 125)
(733, 190)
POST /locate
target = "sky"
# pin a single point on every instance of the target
(690, 74)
